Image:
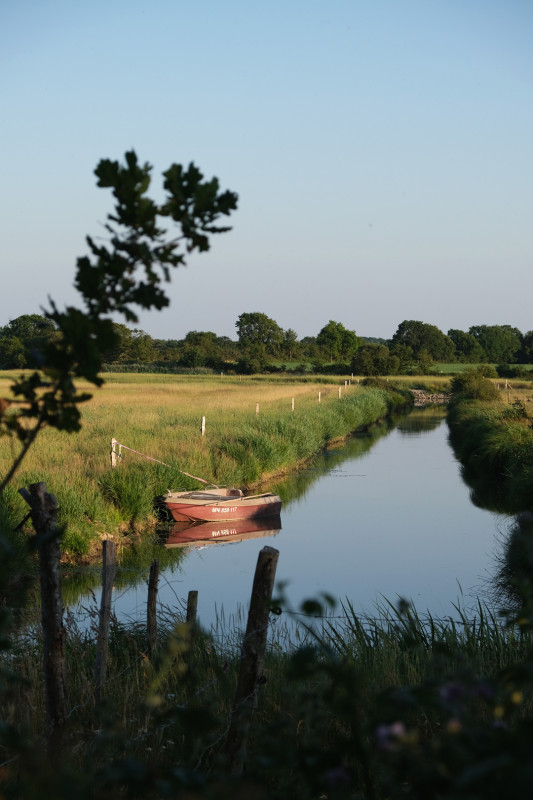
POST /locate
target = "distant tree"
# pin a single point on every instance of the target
(525, 355)
(420, 336)
(309, 348)
(336, 342)
(23, 341)
(501, 343)
(290, 346)
(142, 349)
(467, 347)
(374, 359)
(259, 336)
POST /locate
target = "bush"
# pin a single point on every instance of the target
(472, 385)
(514, 371)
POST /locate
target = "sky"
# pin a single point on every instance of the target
(381, 151)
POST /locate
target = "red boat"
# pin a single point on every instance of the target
(199, 535)
(214, 505)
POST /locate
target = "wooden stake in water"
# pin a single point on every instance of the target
(192, 604)
(151, 609)
(109, 559)
(252, 659)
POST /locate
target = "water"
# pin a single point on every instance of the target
(379, 518)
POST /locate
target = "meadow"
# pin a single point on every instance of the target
(386, 707)
(252, 433)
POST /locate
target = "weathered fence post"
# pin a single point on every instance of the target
(252, 658)
(114, 454)
(109, 559)
(292, 403)
(44, 517)
(339, 392)
(257, 408)
(151, 615)
(203, 426)
(319, 397)
(192, 605)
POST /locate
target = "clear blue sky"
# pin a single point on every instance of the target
(381, 150)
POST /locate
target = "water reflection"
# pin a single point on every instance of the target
(183, 535)
(512, 585)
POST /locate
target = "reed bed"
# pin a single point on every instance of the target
(252, 433)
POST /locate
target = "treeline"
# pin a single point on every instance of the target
(263, 346)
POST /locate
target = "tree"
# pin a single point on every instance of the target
(501, 343)
(526, 351)
(467, 347)
(117, 277)
(374, 359)
(290, 346)
(420, 336)
(259, 336)
(336, 342)
(23, 340)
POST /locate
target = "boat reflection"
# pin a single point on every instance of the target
(198, 535)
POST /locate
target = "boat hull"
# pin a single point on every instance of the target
(204, 506)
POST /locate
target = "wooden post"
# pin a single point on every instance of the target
(256, 409)
(192, 604)
(203, 426)
(292, 404)
(151, 615)
(339, 392)
(319, 397)
(114, 454)
(109, 565)
(44, 517)
(252, 658)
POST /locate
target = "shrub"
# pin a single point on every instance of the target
(472, 385)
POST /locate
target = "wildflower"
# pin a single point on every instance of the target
(452, 692)
(517, 697)
(454, 725)
(388, 735)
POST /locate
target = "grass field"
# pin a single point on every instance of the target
(252, 432)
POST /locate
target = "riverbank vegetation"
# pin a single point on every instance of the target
(492, 436)
(391, 706)
(252, 432)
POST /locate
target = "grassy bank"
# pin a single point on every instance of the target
(493, 440)
(252, 433)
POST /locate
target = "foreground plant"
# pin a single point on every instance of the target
(119, 276)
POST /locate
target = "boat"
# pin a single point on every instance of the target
(198, 535)
(214, 505)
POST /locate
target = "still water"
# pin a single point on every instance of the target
(387, 515)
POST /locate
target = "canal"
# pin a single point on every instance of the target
(385, 516)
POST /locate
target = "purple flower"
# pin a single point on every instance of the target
(387, 736)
